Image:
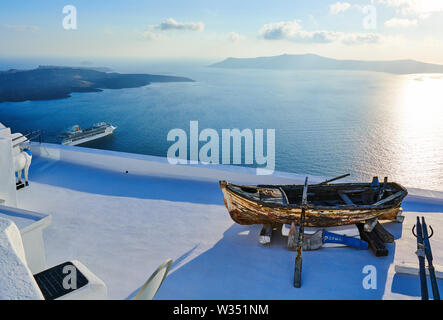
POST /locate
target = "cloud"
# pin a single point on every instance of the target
(171, 24)
(400, 23)
(22, 28)
(280, 30)
(395, 3)
(321, 36)
(418, 8)
(155, 32)
(292, 31)
(235, 37)
(338, 7)
(361, 38)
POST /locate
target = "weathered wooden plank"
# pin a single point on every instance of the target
(355, 190)
(346, 199)
(376, 244)
(390, 198)
(412, 269)
(370, 224)
(400, 217)
(382, 189)
(383, 234)
(292, 238)
(265, 234)
(285, 197)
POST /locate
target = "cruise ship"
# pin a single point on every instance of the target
(76, 135)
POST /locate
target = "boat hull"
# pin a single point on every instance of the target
(246, 212)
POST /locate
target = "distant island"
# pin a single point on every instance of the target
(53, 82)
(316, 62)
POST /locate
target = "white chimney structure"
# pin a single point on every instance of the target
(8, 193)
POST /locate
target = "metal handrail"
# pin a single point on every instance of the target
(29, 136)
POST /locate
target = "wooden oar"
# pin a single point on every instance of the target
(334, 179)
(298, 259)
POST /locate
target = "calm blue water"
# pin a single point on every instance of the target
(326, 122)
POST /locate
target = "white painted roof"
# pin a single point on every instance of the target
(122, 226)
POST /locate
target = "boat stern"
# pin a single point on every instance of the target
(226, 196)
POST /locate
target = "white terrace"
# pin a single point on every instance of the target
(122, 215)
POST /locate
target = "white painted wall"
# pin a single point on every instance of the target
(94, 290)
(17, 281)
(4, 131)
(8, 191)
(31, 225)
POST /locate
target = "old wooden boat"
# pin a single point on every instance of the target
(328, 204)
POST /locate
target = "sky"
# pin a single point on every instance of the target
(202, 29)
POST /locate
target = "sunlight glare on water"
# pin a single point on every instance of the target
(416, 130)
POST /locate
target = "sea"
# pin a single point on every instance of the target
(326, 123)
